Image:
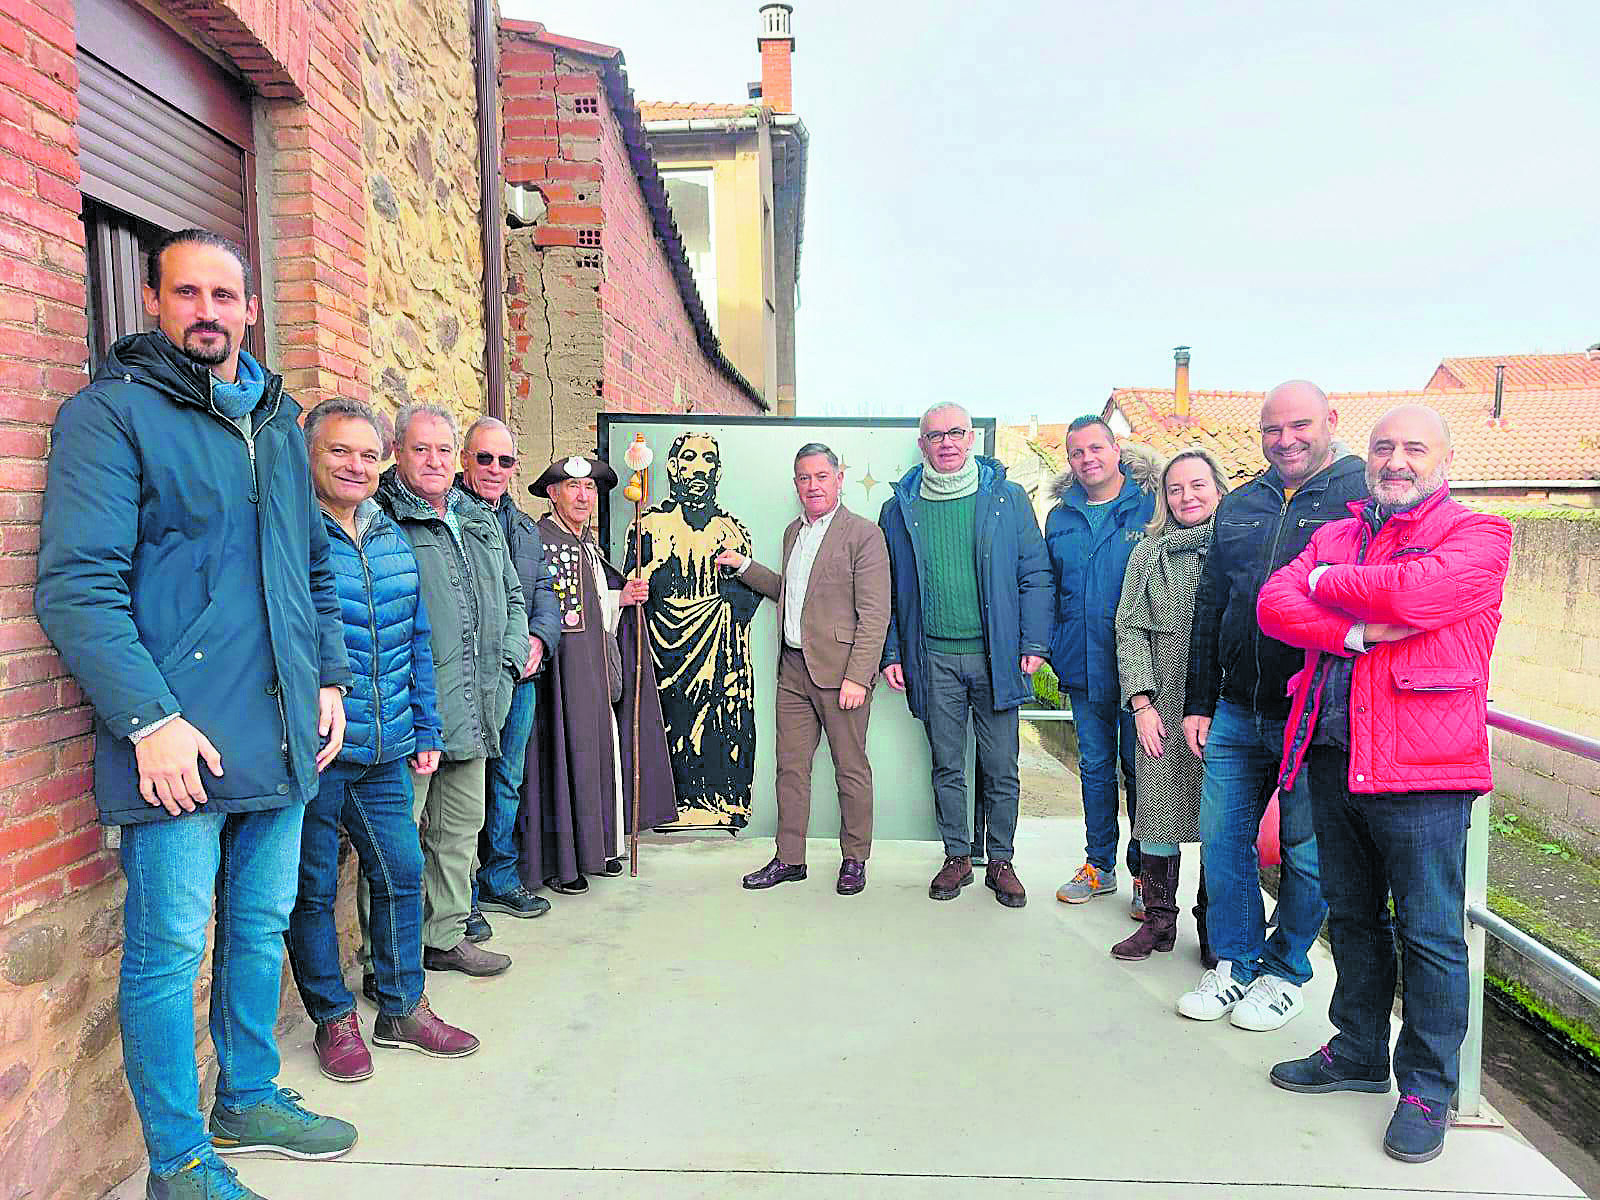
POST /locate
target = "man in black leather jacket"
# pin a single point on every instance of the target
(1236, 704)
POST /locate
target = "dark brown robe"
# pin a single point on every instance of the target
(568, 818)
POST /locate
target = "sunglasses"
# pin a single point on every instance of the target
(507, 461)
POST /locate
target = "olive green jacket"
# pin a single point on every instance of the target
(475, 606)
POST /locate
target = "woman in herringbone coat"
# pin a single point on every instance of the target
(1154, 620)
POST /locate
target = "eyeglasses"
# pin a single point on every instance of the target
(507, 461)
(935, 436)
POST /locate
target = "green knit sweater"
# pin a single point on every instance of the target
(951, 612)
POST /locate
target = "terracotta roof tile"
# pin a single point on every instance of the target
(1524, 372)
(1541, 435)
(689, 110)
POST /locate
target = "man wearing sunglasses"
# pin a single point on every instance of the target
(968, 624)
(488, 460)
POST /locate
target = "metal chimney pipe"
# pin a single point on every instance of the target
(1180, 381)
(1499, 390)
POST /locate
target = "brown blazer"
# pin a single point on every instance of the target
(845, 618)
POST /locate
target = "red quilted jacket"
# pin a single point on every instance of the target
(1417, 720)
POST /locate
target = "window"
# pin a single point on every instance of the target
(165, 142)
(689, 193)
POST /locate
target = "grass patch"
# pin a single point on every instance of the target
(1513, 512)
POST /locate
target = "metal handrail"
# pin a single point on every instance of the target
(1481, 922)
(1548, 735)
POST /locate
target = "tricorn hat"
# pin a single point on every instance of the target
(575, 467)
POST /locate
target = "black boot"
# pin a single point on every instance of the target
(1159, 932)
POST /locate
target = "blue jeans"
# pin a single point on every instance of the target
(958, 685)
(374, 804)
(1105, 738)
(1241, 769)
(497, 844)
(1412, 846)
(176, 869)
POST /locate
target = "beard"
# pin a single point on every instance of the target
(1419, 489)
(201, 354)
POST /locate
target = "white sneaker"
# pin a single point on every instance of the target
(1271, 1003)
(1215, 997)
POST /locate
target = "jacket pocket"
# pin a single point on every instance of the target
(847, 636)
(192, 640)
(1438, 714)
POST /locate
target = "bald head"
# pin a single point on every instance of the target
(1297, 425)
(1408, 456)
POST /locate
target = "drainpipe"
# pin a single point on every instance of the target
(491, 199)
(1499, 390)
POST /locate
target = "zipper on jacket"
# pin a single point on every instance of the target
(1255, 637)
(372, 629)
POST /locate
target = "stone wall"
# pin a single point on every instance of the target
(1547, 667)
(419, 147)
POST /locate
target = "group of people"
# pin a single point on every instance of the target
(1321, 633)
(281, 638)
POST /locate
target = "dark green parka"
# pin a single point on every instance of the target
(180, 572)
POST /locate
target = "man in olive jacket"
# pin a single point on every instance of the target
(184, 578)
(480, 650)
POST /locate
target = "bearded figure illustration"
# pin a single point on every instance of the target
(698, 620)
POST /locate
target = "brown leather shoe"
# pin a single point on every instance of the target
(422, 1030)
(466, 958)
(1001, 879)
(341, 1054)
(852, 877)
(952, 877)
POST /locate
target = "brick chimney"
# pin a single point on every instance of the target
(776, 44)
(1180, 382)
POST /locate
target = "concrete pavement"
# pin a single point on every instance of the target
(675, 1036)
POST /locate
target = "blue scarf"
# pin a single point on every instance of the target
(234, 400)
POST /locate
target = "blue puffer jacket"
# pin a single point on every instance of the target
(1013, 584)
(393, 709)
(1087, 568)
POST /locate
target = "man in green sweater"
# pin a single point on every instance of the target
(969, 623)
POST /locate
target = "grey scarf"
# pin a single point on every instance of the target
(1167, 596)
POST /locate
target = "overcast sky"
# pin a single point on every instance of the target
(1024, 205)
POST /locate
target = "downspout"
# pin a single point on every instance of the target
(491, 201)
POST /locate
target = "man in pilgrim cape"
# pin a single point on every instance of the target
(578, 786)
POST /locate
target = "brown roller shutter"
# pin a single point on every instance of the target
(141, 155)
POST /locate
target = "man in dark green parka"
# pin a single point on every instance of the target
(184, 578)
(480, 650)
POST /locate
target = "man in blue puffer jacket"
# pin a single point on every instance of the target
(392, 718)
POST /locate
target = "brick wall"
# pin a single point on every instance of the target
(595, 321)
(66, 1127)
(1546, 663)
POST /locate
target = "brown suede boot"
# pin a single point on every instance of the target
(1159, 932)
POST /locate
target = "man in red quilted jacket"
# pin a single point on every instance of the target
(1397, 609)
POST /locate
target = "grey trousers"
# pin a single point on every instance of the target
(448, 807)
(958, 686)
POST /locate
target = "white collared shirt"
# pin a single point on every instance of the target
(797, 575)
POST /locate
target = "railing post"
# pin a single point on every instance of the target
(1469, 1092)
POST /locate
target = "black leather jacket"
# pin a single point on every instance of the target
(1257, 531)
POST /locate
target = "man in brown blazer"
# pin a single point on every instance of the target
(833, 616)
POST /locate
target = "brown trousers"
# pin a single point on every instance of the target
(804, 713)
